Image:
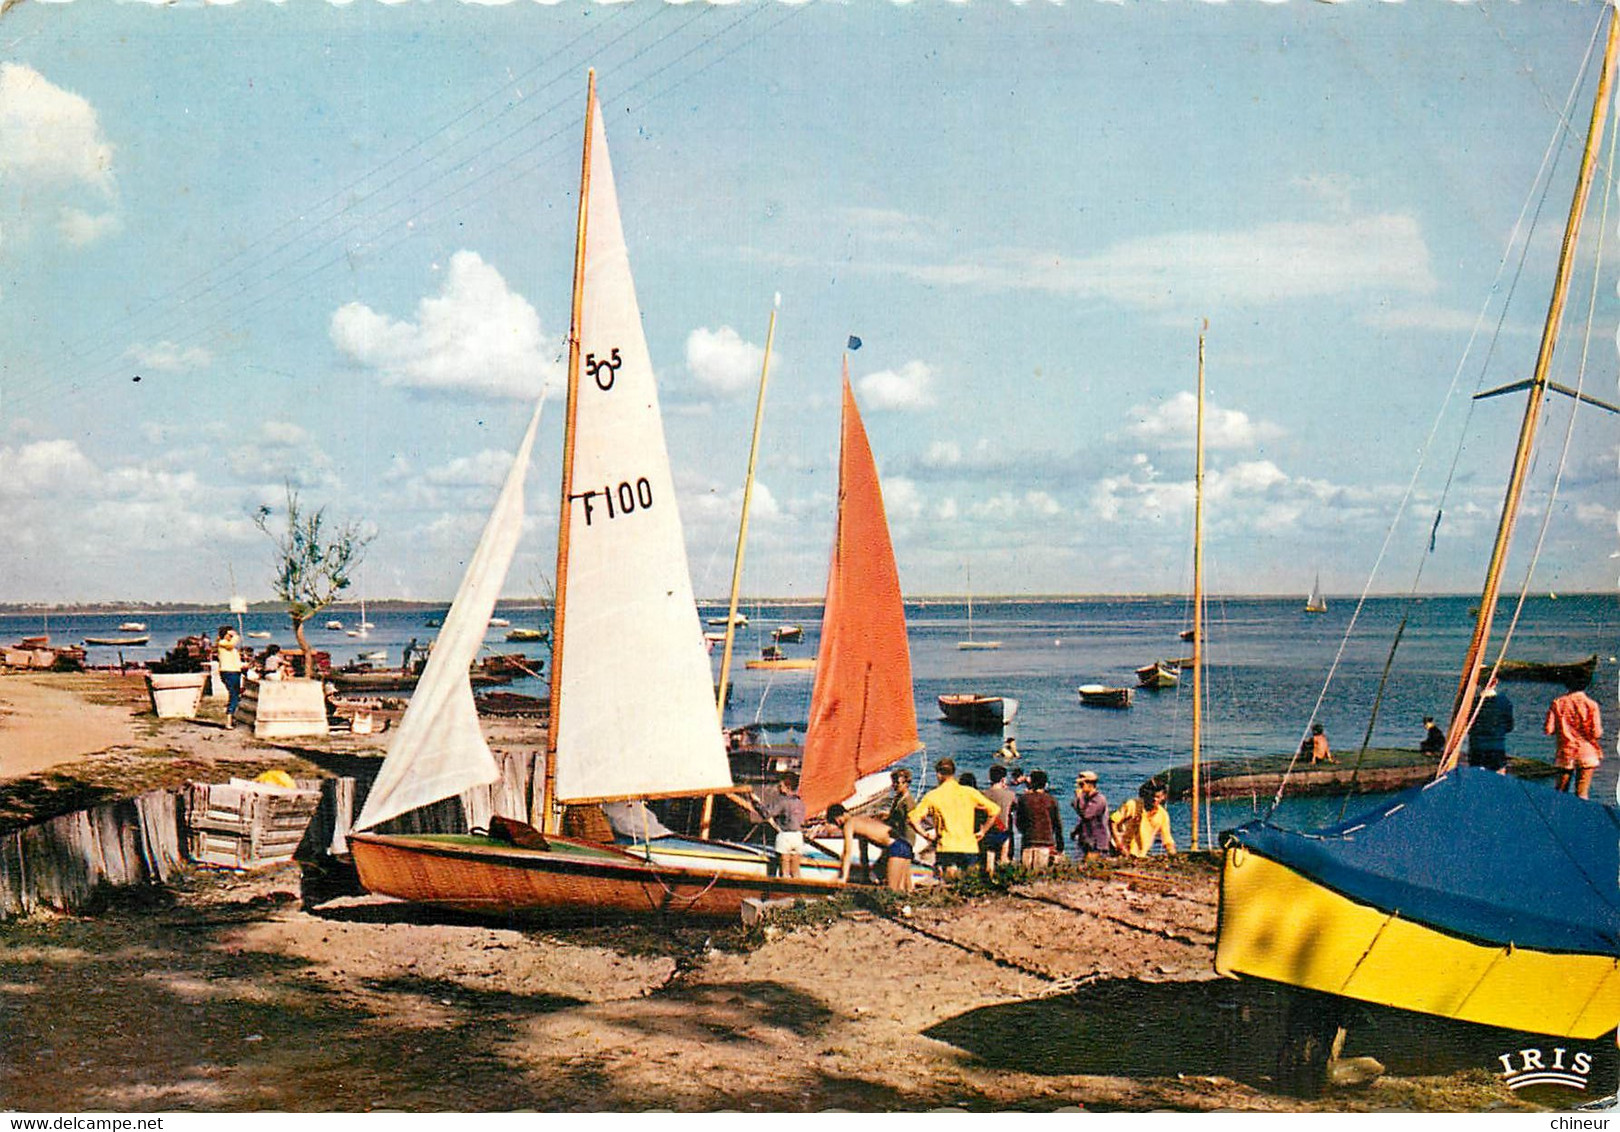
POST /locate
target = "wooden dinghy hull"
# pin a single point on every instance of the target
(964, 709)
(571, 880)
(1098, 695)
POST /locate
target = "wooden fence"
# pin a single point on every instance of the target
(64, 863)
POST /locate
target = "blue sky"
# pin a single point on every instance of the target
(335, 244)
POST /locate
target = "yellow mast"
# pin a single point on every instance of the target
(742, 542)
(1198, 592)
(548, 795)
(1468, 687)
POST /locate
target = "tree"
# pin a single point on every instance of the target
(313, 563)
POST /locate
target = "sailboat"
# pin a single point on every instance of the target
(972, 642)
(1477, 896)
(863, 715)
(1315, 602)
(632, 703)
(363, 628)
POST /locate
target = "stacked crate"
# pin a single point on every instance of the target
(246, 825)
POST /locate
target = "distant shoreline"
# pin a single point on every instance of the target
(400, 604)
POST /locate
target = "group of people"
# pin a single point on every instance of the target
(1573, 719)
(973, 829)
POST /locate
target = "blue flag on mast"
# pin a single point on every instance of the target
(854, 342)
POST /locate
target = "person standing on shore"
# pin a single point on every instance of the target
(998, 843)
(953, 808)
(1091, 835)
(1577, 724)
(1487, 737)
(1143, 820)
(1040, 825)
(787, 813)
(229, 654)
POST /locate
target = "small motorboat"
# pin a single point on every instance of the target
(132, 627)
(335, 626)
(1187, 634)
(968, 709)
(788, 634)
(118, 642)
(1159, 674)
(1101, 695)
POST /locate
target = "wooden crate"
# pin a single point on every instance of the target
(246, 825)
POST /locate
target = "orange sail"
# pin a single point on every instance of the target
(862, 715)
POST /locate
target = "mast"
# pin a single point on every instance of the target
(548, 793)
(742, 541)
(1198, 590)
(1468, 686)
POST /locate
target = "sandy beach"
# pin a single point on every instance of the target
(1095, 990)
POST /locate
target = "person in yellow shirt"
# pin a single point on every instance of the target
(228, 651)
(1143, 820)
(953, 808)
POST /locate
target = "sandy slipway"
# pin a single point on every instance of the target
(243, 992)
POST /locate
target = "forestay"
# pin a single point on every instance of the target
(439, 748)
(634, 708)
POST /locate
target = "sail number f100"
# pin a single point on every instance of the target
(621, 500)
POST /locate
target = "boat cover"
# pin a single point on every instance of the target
(1475, 854)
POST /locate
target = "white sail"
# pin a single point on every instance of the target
(439, 748)
(635, 713)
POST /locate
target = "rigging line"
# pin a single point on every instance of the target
(1549, 164)
(105, 333)
(1372, 716)
(402, 225)
(1574, 412)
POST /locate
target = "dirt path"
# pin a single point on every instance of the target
(45, 722)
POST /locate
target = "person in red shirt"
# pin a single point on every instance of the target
(1577, 724)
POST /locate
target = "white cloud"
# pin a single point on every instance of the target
(722, 361)
(1008, 506)
(166, 357)
(54, 160)
(942, 454)
(49, 136)
(81, 228)
(1251, 495)
(485, 469)
(45, 467)
(902, 502)
(1175, 422)
(476, 336)
(901, 390)
(1380, 254)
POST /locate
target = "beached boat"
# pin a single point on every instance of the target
(1159, 674)
(1477, 896)
(1102, 695)
(986, 713)
(118, 642)
(633, 711)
